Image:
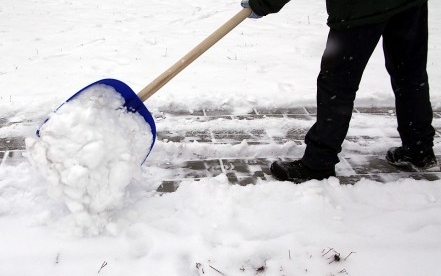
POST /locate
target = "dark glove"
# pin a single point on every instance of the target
(246, 4)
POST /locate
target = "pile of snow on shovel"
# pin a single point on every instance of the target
(90, 149)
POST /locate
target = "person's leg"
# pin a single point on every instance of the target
(405, 49)
(344, 60)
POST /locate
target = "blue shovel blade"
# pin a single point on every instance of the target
(132, 102)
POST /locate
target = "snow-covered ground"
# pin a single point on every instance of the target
(51, 49)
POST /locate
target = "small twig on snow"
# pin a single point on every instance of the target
(199, 265)
(102, 266)
(349, 255)
(330, 249)
(216, 270)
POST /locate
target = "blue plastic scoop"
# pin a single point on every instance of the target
(134, 102)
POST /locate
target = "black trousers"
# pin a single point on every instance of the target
(347, 52)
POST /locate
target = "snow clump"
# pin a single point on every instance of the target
(89, 150)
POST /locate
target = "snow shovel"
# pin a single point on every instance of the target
(134, 102)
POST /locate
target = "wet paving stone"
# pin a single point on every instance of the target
(367, 139)
(12, 143)
(353, 167)
(3, 121)
(179, 113)
(231, 136)
(246, 171)
(352, 179)
(188, 136)
(282, 111)
(296, 134)
(245, 167)
(199, 136)
(168, 186)
(256, 117)
(370, 165)
(376, 110)
(237, 136)
(203, 168)
(194, 169)
(169, 136)
(218, 112)
(307, 117)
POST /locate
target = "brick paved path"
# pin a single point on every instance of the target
(356, 163)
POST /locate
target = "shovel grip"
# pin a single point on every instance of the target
(170, 73)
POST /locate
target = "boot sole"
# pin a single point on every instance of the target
(298, 180)
(410, 165)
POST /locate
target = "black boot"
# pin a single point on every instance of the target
(404, 157)
(297, 172)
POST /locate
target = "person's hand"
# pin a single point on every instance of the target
(246, 4)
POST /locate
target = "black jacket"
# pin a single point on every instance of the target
(346, 13)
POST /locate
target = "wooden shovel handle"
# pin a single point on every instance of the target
(165, 77)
